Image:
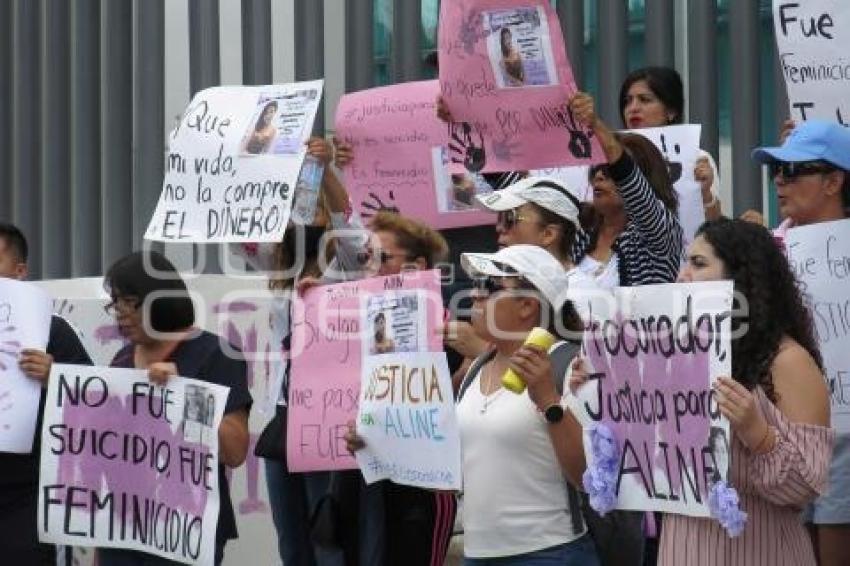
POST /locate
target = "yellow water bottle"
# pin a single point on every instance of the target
(539, 337)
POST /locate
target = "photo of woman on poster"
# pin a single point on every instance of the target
(259, 140)
(511, 63)
(382, 344)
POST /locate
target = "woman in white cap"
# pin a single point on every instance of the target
(811, 170)
(518, 449)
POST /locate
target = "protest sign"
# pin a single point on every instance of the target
(238, 309)
(812, 39)
(328, 347)
(679, 145)
(24, 323)
(407, 420)
(128, 464)
(401, 157)
(820, 257)
(651, 369)
(506, 79)
(233, 162)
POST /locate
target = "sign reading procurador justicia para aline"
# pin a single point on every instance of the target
(128, 464)
(233, 162)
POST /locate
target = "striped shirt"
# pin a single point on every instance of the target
(773, 488)
(649, 250)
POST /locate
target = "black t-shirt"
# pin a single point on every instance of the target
(19, 472)
(203, 358)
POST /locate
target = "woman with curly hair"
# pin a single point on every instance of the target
(777, 404)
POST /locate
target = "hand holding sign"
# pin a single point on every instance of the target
(742, 409)
(160, 372)
(35, 364)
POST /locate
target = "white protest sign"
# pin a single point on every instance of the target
(679, 145)
(126, 464)
(233, 163)
(820, 257)
(812, 39)
(652, 364)
(407, 419)
(24, 323)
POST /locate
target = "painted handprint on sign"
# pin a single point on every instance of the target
(464, 149)
(674, 167)
(579, 144)
(374, 204)
(505, 150)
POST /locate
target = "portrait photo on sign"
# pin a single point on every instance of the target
(198, 414)
(519, 47)
(455, 192)
(395, 322)
(277, 124)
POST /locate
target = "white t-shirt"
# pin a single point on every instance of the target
(515, 495)
(606, 275)
(581, 291)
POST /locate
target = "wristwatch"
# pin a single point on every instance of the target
(554, 413)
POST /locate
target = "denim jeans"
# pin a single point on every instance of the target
(293, 497)
(580, 552)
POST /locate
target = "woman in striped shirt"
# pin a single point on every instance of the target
(777, 404)
(636, 238)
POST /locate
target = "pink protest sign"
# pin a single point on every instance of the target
(330, 340)
(505, 77)
(401, 157)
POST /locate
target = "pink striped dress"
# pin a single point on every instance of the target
(773, 487)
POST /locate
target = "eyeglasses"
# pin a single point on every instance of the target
(790, 170)
(507, 219)
(385, 257)
(125, 304)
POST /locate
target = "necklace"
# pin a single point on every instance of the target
(492, 396)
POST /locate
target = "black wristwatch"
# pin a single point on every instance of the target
(554, 413)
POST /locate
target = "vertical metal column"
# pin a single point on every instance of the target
(746, 175)
(148, 111)
(310, 48)
(25, 126)
(702, 72)
(256, 42)
(205, 71)
(5, 112)
(405, 53)
(659, 33)
(359, 45)
(55, 131)
(571, 14)
(116, 129)
(85, 138)
(613, 58)
(780, 93)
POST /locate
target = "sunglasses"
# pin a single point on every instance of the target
(488, 286)
(507, 219)
(792, 169)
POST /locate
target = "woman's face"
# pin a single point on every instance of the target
(380, 327)
(127, 311)
(522, 225)
(506, 39)
(644, 109)
(606, 198)
(268, 114)
(702, 264)
(498, 313)
(388, 257)
(804, 196)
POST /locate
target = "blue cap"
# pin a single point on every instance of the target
(813, 140)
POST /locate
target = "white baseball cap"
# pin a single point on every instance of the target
(546, 192)
(533, 263)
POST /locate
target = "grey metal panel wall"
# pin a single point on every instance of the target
(613, 58)
(256, 42)
(148, 110)
(407, 37)
(571, 15)
(702, 72)
(310, 48)
(659, 32)
(359, 43)
(25, 125)
(85, 138)
(116, 129)
(55, 135)
(5, 112)
(746, 176)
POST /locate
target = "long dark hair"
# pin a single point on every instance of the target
(259, 125)
(762, 276)
(664, 82)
